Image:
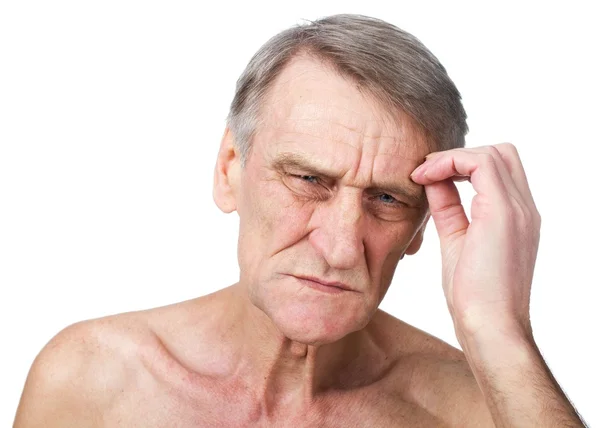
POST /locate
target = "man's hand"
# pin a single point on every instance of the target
(488, 264)
(487, 273)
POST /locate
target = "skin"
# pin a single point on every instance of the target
(327, 208)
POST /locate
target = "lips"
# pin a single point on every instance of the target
(331, 286)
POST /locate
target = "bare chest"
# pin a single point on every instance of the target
(149, 403)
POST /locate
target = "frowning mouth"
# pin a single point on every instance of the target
(322, 285)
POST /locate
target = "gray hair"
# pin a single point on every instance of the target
(385, 61)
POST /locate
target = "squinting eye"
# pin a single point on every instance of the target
(309, 178)
(387, 198)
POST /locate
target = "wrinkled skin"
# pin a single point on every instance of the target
(315, 199)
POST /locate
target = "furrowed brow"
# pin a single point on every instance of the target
(284, 161)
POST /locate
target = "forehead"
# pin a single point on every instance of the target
(313, 111)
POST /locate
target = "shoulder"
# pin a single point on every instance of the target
(434, 375)
(402, 339)
(75, 376)
(446, 387)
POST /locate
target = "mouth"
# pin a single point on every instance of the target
(321, 285)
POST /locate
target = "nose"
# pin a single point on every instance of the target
(338, 235)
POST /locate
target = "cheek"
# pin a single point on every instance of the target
(271, 219)
(276, 213)
(387, 271)
(388, 238)
(386, 248)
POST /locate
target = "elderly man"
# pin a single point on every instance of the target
(343, 138)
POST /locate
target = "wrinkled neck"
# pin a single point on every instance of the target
(285, 373)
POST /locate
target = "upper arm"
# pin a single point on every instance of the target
(60, 387)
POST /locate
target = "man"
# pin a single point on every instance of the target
(343, 138)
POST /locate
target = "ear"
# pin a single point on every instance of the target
(227, 174)
(415, 244)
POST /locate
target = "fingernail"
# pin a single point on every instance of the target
(417, 171)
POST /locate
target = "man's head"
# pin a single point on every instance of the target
(327, 124)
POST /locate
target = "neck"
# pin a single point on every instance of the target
(282, 372)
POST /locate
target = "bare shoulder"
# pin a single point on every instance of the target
(74, 378)
(405, 339)
(434, 375)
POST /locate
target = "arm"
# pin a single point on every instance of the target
(487, 274)
(518, 387)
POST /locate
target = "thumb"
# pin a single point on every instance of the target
(451, 224)
(446, 210)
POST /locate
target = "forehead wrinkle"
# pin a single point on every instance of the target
(417, 158)
(351, 129)
(354, 148)
(338, 133)
(327, 141)
(398, 158)
(296, 106)
(301, 84)
(358, 125)
(355, 125)
(332, 137)
(335, 133)
(357, 149)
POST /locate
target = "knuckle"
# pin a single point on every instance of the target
(508, 151)
(526, 218)
(519, 214)
(509, 147)
(487, 159)
(493, 150)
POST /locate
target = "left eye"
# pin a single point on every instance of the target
(387, 198)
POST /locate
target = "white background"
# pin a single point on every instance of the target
(110, 118)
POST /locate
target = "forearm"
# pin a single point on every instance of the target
(517, 385)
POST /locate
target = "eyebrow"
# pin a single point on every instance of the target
(414, 196)
(294, 160)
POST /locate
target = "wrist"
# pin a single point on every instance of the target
(498, 345)
(480, 325)
(489, 337)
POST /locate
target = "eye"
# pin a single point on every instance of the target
(309, 186)
(384, 197)
(308, 178)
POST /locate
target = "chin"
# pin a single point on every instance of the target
(310, 316)
(316, 324)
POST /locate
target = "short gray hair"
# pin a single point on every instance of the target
(385, 61)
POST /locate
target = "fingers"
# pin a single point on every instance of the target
(509, 154)
(496, 169)
(512, 160)
(487, 179)
(496, 174)
(503, 170)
